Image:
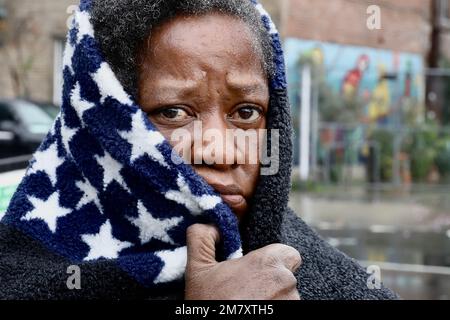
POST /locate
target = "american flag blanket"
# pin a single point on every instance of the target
(103, 185)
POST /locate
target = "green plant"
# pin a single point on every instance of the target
(384, 139)
(422, 160)
(442, 160)
(422, 152)
(333, 107)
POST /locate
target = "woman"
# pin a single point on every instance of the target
(109, 210)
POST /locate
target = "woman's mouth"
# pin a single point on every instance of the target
(231, 195)
(233, 200)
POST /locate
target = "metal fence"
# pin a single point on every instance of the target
(382, 154)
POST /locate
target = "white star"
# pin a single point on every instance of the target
(174, 264)
(85, 28)
(66, 134)
(47, 161)
(111, 170)
(109, 86)
(152, 228)
(89, 195)
(196, 205)
(143, 141)
(80, 105)
(103, 244)
(49, 211)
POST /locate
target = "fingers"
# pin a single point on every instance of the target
(286, 255)
(201, 244)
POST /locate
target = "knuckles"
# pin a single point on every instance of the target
(283, 278)
(195, 230)
(263, 260)
(272, 270)
(201, 232)
(275, 255)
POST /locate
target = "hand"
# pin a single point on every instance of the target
(264, 274)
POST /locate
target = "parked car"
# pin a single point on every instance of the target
(23, 126)
(49, 108)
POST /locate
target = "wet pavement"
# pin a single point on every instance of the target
(405, 232)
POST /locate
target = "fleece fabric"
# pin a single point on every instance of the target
(103, 194)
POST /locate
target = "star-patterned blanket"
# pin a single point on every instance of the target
(103, 184)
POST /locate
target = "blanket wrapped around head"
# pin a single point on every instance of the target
(103, 184)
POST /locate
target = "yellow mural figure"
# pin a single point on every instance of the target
(314, 55)
(317, 56)
(381, 97)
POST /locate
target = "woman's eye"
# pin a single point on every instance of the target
(247, 114)
(174, 114)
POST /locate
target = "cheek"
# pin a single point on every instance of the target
(248, 145)
(248, 178)
(250, 171)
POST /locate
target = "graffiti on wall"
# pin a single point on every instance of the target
(354, 87)
(380, 80)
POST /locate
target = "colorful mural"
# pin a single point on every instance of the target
(379, 79)
(356, 90)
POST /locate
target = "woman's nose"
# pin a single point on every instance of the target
(215, 146)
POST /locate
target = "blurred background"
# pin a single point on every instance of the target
(369, 86)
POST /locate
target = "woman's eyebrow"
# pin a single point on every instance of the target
(179, 88)
(249, 86)
(175, 87)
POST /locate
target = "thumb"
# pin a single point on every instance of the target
(201, 245)
(286, 255)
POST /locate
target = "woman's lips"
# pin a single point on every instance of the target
(231, 194)
(233, 200)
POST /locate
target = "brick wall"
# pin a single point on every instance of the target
(405, 23)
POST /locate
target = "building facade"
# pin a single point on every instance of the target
(405, 24)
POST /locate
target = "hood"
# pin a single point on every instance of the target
(103, 184)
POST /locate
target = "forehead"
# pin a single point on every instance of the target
(207, 43)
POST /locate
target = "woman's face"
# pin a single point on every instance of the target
(205, 69)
